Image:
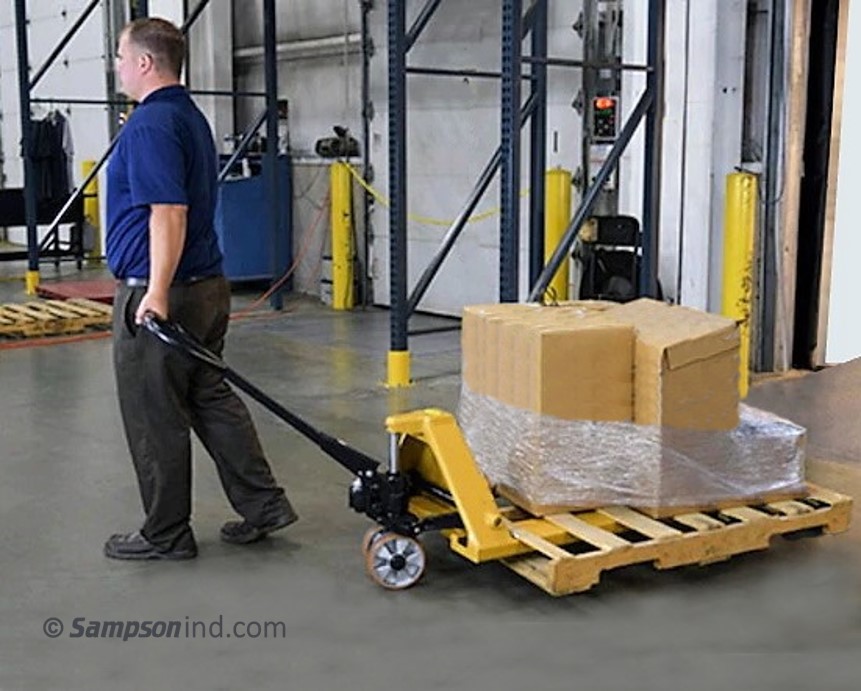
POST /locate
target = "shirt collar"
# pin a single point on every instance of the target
(164, 93)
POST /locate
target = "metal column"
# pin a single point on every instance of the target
(509, 223)
(515, 27)
(113, 18)
(367, 116)
(32, 279)
(398, 362)
(270, 161)
(538, 141)
(768, 242)
(653, 147)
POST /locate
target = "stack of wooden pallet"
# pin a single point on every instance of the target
(52, 317)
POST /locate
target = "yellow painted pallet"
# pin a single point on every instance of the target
(52, 317)
(632, 537)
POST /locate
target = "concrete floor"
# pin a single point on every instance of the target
(783, 619)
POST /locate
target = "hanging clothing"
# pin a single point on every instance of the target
(51, 164)
(68, 148)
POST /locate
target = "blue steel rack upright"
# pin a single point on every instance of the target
(516, 26)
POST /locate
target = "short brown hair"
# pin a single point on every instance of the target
(161, 39)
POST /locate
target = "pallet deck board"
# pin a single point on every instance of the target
(586, 532)
(92, 306)
(637, 521)
(793, 508)
(744, 528)
(29, 311)
(698, 521)
(52, 317)
(536, 542)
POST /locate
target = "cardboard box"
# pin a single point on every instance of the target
(511, 363)
(470, 365)
(490, 342)
(479, 344)
(490, 335)
(546, 358)
(686, 365)
(580, 370)
(515, 364)
(567, 361)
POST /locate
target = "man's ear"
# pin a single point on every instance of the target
(145, 62)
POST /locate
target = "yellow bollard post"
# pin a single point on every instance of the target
(343, 297)
(91, 211)
(31, 282)
(557, 211)
(738, 247)
(399, 369)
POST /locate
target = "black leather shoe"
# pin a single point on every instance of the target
(244, 533)
(136, 546)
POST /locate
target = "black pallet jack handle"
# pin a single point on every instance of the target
(174, 335)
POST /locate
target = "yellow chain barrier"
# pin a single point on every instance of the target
(415, 218)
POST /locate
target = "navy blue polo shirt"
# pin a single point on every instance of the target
(165, 155)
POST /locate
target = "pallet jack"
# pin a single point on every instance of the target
(431, 483)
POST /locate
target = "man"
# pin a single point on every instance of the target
(162, 247)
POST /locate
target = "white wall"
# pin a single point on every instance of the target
(311, 224)
(322, 90)
(844, 327)
(211, 65)
(3, 162)
(171, 9)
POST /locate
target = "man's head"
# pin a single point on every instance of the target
(149, 56)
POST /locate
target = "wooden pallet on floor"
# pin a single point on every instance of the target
(683, 539)
(90, 312)
(11, 324)
(52, 317)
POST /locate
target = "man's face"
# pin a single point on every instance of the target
(132, 66)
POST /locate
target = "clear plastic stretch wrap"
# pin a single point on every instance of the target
(552, 462)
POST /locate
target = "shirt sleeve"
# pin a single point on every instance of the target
(156, 167)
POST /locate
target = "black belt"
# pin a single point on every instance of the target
(134, 282)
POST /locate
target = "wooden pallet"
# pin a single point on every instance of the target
(52, 317)
(632, 537)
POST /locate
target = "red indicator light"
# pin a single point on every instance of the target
(604, 103)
